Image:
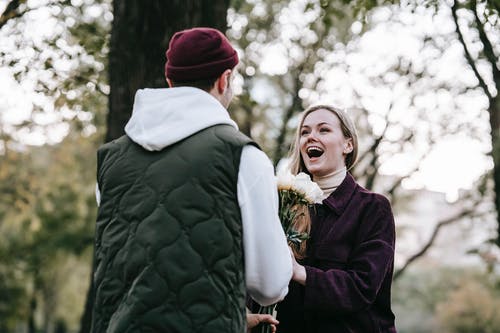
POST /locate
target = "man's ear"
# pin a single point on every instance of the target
(223, 81)
(169, 83)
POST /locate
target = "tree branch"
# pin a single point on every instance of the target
(373, 165)
(296, 100)
(468, 56)
(365, 114)
(372, 173)
(416, 168)
(496, 5)
(12, 11)
(487, 46)
(463, 213)
(294, 107)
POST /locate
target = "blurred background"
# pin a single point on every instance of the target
(420, 79)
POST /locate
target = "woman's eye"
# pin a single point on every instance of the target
(324, 129)
(304, 132)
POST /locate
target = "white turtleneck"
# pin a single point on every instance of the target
(330, 182)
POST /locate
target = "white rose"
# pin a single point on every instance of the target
(285, 179)
(315, 194)
(311, 190)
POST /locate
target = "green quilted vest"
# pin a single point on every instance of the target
(168, 246)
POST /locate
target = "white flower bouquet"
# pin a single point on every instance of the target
(296, 194)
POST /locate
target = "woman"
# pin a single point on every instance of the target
(343, 284)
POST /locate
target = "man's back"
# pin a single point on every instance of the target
(169, 238)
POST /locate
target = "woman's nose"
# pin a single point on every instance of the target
(311, 136)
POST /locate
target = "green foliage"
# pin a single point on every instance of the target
(47, 210)
(67, 66)
(440, 299)
(13, 292)
(474, 307)
(49, 217)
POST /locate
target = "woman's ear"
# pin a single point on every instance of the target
(348, 147)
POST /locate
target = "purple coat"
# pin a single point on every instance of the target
(349, 264)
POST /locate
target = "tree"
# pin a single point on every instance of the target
(77, 96)
(47, 219)
(474, 24)
(482, 18)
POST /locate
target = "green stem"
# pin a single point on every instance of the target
(265, 327)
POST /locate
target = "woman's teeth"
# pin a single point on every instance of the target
(314, 152)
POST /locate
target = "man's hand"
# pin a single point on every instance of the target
(254, 319)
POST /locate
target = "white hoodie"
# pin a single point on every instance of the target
(162, 117)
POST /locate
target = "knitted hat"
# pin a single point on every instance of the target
(197, 54)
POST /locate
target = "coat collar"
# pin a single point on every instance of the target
(338, 200)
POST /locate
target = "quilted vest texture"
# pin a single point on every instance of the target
(168, 246)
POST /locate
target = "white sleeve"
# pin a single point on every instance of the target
(268, 265)
(97, 194)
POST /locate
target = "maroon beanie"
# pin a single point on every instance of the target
(197, 54)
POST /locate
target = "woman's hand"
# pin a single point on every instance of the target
(299, 272)
(254, 319)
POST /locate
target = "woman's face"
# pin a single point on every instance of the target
(323, 146)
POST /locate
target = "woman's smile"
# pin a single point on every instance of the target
(314, 151)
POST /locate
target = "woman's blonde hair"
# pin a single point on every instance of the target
(303, 221)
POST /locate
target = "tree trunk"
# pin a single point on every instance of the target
(296, 106)
(493, 97)
(139, 39)
(494, 111)
(31, 314)
(86, 320)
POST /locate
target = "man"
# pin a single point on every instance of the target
(187, 222)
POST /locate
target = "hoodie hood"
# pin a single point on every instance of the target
(162, 117)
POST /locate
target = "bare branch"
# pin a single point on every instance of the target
(12, 11)
(296, 100)
(397, 182)
(364, 111)
(370, 179)
(296, 104)
(373, 165)
(96, 84)
(415, 169)
(496, 5)
(452, 219)
(468, 56)
(487, 46)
